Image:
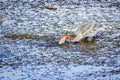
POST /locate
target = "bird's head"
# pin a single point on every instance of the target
(65, 39)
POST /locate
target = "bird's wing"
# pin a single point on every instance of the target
(87, 30)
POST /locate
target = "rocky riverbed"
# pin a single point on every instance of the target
(30, 31)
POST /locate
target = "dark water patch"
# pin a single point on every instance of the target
(50, 8)
(20, 36)
(84, 46)
(29, 36)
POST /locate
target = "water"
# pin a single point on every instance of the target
(29, 41)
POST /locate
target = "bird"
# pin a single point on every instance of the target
(88, 32)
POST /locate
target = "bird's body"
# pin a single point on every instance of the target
(87, 31)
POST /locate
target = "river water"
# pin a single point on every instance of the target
(30, 31)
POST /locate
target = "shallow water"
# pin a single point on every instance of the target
(30, 50)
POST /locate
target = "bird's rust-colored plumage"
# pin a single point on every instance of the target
(63, 38)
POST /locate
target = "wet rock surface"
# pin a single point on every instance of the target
(30, 31)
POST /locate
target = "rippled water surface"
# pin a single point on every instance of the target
(29, 36)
